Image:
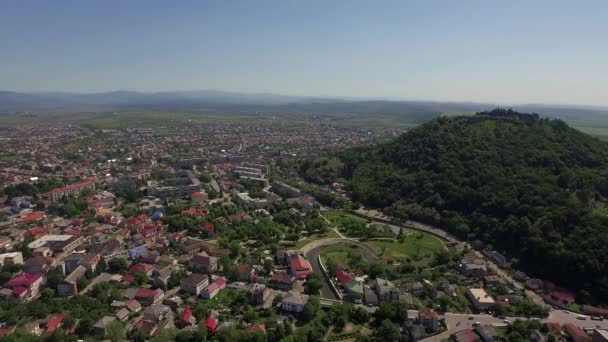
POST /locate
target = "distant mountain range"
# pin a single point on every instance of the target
(213, 100)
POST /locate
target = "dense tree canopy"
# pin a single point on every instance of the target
(533, 188)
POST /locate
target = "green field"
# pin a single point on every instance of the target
(328, 235)
(340, 255)
(414, 246)
(339, 218)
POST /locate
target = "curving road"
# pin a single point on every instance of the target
(312, 255)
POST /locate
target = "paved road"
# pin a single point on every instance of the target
(378, 216)
(312, 256)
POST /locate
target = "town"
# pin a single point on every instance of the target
(206, 231)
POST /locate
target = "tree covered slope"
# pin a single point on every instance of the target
(532, 188)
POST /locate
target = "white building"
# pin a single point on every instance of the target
(294, 302)
(480, 299)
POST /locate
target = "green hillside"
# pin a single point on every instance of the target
(532, 188)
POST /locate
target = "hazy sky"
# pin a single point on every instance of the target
(500, 51)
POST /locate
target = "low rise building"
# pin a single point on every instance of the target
(194, 283)
(480, 299)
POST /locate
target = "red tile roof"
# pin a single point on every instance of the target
(211, 324)
(141, 267)
(32, 217)
(25, 279)
(343, 276)
(219, 283)
(145, 293)
(187, 315)
(300, 268)
(54, 322)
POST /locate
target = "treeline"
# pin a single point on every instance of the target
(533, 188)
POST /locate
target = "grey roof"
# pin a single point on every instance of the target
(76, 274)
(104, 321)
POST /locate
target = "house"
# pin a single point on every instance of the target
(258, 294)
(147, 269)
(122, 314)
(25, 286)
(148, 296)
(102, 323)
(89, 261)
(186, 318)
(211, 324)
(157, 313)
(133, 305)
(428, 318)
(466, 335)
(370, 296)
(194, 283)
(161, 277)
(14, 258)
(355, 290)
(214, 288)
(281, 280)
(38, 264)
(110, 248)
(53, 323)
(385, 290)
(245, 272)
(343, 277)
(294, 302)
(576, 334)
(300, 268)
(203, 262)
(33, 328)
(194, 248)
(480, 299)
(149, 257)
(155, 317)
(69, 286)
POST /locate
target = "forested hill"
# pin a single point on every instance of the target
(533, 188)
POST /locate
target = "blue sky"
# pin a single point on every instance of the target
(493, 51)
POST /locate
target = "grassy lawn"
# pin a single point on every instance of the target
(414, 245)
(340, 255)
(339, 218)
(328, 235)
